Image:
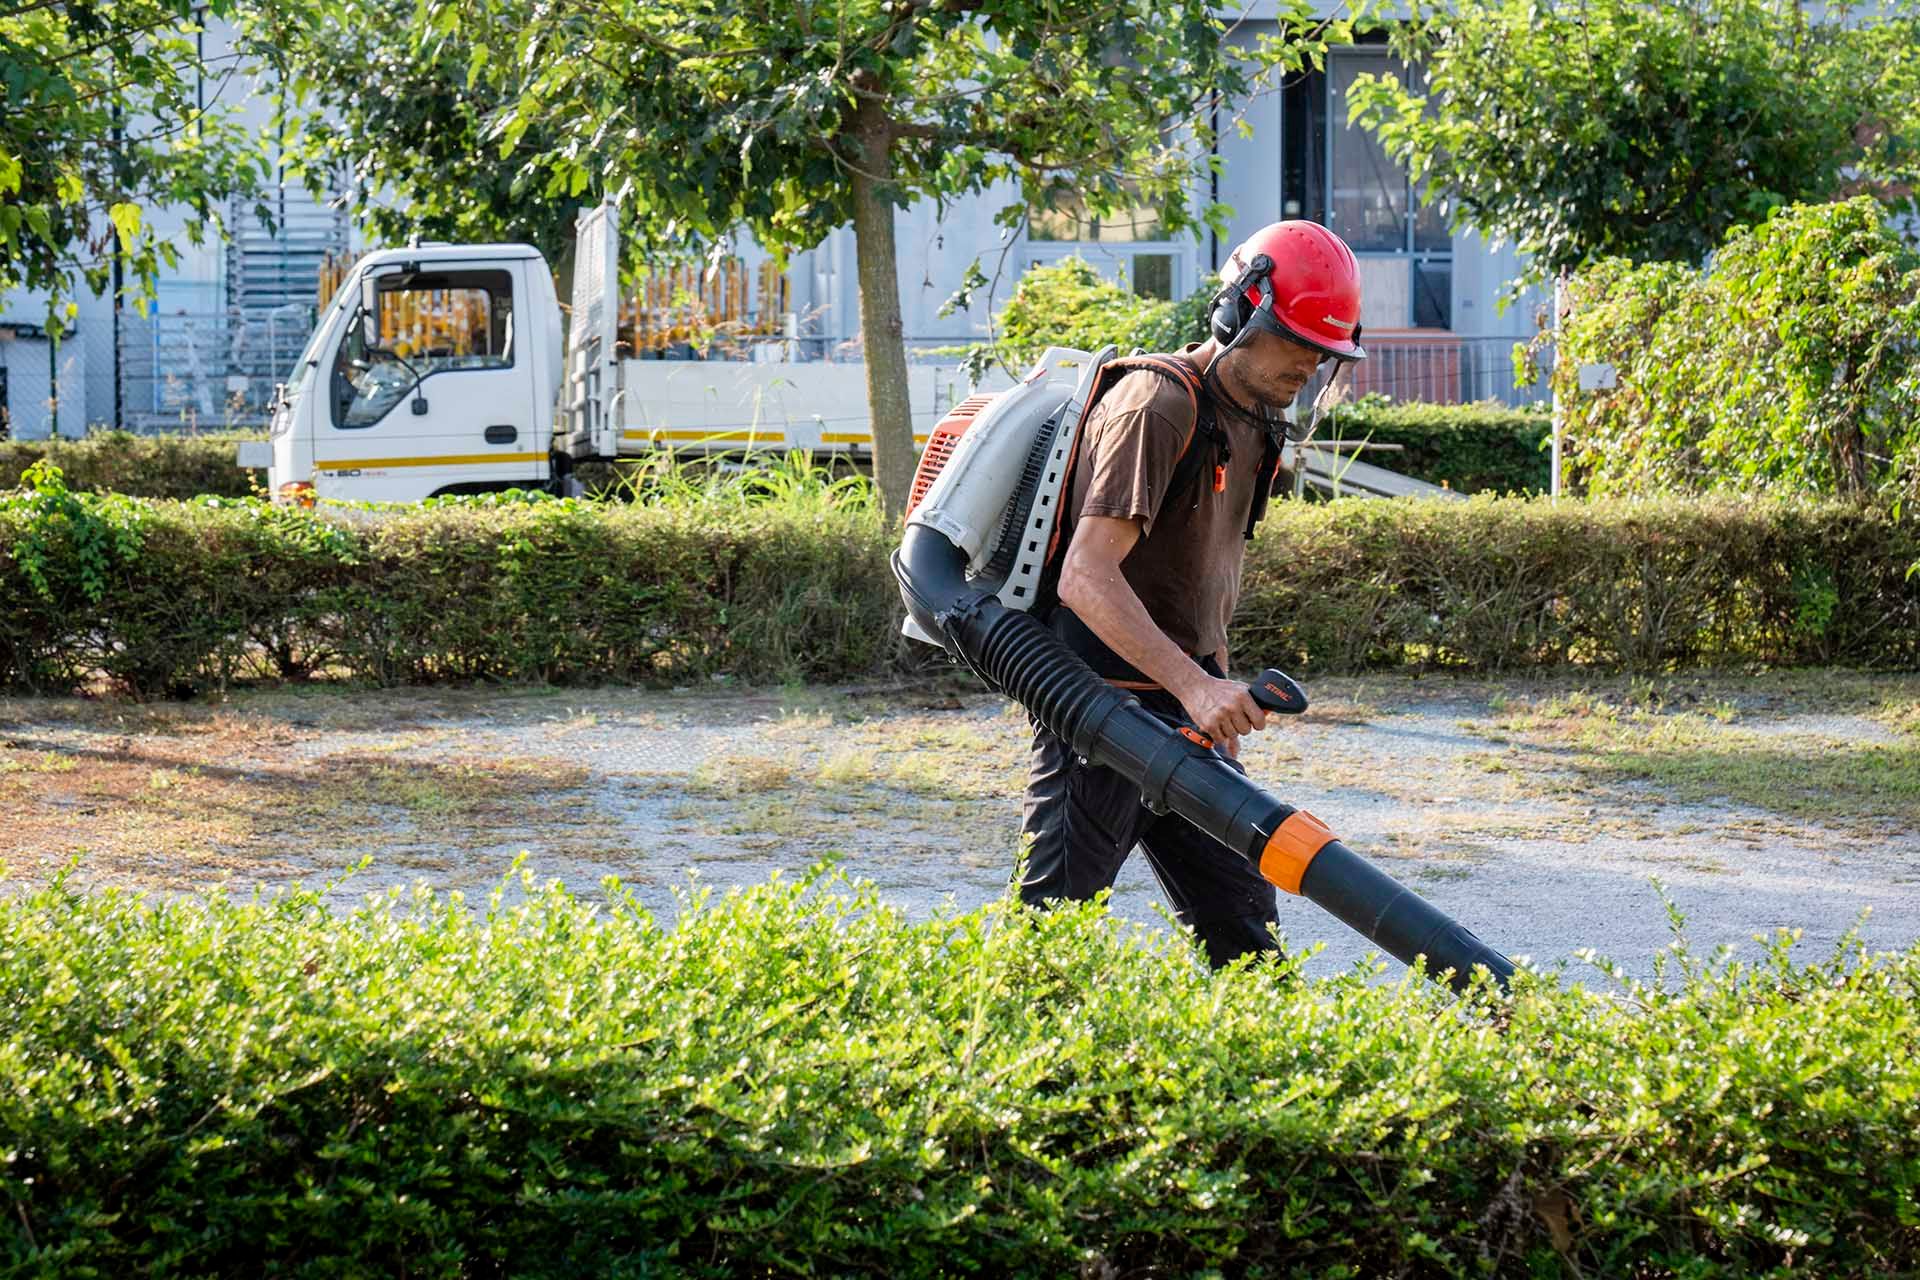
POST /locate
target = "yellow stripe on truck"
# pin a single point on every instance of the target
(770, 437)
(440, 460)
(855, 437)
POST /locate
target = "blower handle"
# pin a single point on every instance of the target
(1275, 690)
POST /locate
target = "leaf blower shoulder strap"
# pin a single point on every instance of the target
(1187, 470)
(1110, 373)
(1206, 431)
(1185, 474)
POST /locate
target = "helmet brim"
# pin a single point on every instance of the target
(1347, 349)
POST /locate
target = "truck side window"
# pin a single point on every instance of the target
(430, 322)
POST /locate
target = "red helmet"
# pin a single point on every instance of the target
(1315, 289)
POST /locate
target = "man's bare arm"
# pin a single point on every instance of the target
(1092, 585)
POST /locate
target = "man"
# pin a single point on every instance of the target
(1151, 574)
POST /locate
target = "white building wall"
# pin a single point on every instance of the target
(934, 250)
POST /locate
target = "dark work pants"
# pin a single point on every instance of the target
(1084, 821)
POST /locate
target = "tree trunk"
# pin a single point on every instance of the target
(1846, 442)
(894, 456)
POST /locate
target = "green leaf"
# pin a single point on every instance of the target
(126, 222)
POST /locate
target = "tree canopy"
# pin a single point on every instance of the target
(1644, 128)
(103, 122)
(398, 126)
(793, 117)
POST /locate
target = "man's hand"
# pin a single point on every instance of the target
(1092, 585)
(1221, 709)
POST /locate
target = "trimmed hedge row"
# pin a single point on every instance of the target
(1472, 448)
(180, 597)
(175, 597)
(797, 1080)
(142, 466)
(1497, 584)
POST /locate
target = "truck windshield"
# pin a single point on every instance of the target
(430, 322)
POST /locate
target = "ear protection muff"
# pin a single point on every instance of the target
(1231, 311)
(1230, 314)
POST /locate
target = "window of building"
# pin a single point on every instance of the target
(1339, 174)
(1131, 246)
(1370, 197)
(1152, 275)
(1151, 271)
(1064, 219)
(1303, 130)
(430, 322)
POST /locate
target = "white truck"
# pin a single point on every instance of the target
(447, 369)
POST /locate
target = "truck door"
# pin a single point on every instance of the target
(443, 399)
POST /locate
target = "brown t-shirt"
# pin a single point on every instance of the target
(1186, 566)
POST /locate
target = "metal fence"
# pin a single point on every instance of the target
(209, 371)
(197, 371)
(1443, 369)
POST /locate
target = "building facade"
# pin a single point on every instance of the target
(1434, 301)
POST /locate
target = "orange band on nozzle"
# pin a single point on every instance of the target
(1289, 850)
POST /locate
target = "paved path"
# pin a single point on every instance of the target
(1526, 832)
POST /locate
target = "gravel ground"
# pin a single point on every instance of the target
(1538, 814)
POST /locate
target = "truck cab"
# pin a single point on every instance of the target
(433, 370)
(445, 369)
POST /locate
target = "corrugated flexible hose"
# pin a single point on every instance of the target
(1017, 655)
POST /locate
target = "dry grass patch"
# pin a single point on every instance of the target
(741, 775)
(208, 795)
(1902, 715)
(465, 792)
(849, 768)
(1708, 755)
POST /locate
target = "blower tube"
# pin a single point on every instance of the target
(1017, 655)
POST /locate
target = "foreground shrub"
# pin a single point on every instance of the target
(168, 598)
(797, 1080)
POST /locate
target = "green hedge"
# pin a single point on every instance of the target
(1503, 583)
(1472, 448)
(175, 597)
(143, 466)
(165, 597)
(797, 1080)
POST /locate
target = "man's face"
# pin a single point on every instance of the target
(1269, 369)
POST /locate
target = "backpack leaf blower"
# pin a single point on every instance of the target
(979, 537)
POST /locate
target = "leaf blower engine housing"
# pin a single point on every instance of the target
(993, 475)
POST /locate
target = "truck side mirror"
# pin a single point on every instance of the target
(369, 312)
